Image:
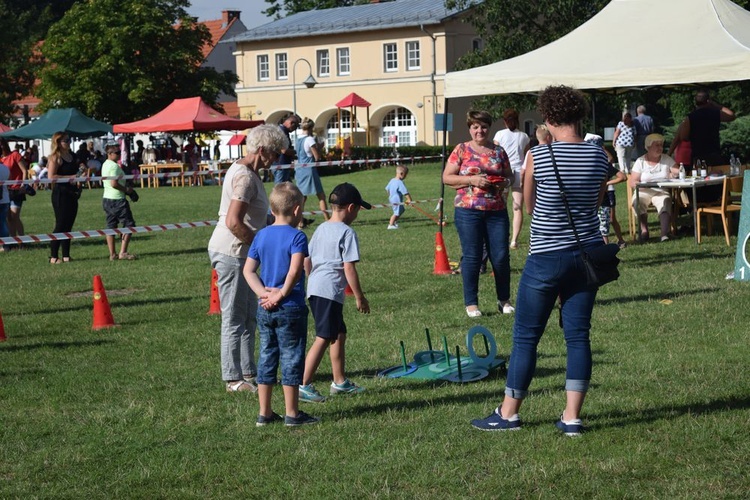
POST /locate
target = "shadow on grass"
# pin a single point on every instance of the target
(54, 345)
(646, 298)
(623, 418)
(116, 302)
(671, 258)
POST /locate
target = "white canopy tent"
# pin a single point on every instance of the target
(628, 44)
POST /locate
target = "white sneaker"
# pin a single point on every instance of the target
(392, 226)
(506, 309)
(473, 313)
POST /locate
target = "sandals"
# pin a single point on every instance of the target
(54, 260)
(241, 386)
(66, 259)
(127, 256)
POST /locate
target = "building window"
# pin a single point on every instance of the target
(264, 71)
(401, 123)
(476, 44)
(282, 68)
(413, 59)
(390, 57)
(342, 57)
(324, 63)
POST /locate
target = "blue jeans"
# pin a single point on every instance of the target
(475, 229)
(4, 208)
(238, 308)
(282, 175)
(546, 277)
(283, 336)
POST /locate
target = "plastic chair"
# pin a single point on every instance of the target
(725, 208)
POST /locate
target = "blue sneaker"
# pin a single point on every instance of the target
(495, 422)
(348, 387)
(263, 420)
(302, 418)
(571, 428)
(310, 394)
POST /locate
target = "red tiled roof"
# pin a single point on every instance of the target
(231, 108)
(218, 28)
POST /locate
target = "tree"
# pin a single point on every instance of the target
(121, 60)
(288, 7)
(26, 23)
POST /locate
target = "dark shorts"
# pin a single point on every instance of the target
(329, 317)
(609, 199)
(17, 197)
(117, 211)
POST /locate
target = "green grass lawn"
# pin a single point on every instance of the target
(139, 411)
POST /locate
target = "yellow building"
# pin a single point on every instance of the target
(394, 55)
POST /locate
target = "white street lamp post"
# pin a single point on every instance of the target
(309, 82)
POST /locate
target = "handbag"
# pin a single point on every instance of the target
(600, 263)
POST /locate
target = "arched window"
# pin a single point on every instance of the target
(401, 123)
(332, 127)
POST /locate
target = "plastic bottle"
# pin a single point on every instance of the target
(732, 165)
(682, 172)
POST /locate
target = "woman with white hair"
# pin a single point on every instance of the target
(651, 167)
(242, 213)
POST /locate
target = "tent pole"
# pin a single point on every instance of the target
(441, 216)
(593, 112)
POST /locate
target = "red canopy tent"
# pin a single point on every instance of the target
(186, 115)
(354, 101)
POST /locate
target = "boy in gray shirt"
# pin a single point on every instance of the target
(334, 252)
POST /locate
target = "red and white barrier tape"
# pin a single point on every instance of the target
(202, 173)
(97, 233)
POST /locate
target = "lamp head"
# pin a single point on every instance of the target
(310, 82)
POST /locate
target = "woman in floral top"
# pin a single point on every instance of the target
(480, 172)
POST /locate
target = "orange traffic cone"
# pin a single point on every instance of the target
(349, 292)
(215, 306)
(2, 329)
(102, 313)
(441, 256)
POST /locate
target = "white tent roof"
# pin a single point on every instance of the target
(630, 43)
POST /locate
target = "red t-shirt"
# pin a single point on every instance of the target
(12, 162)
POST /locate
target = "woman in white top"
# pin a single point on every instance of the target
(516, 144)
(624, 141)
(651, 167)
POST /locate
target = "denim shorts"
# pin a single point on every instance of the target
(283, 338)
(329, 317)
(117, 211)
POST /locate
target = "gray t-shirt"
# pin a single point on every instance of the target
(332, 244)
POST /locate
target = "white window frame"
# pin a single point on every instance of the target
(282, 66)
(413, 55)
(390, 57)
(343, 61)
(263, 68)
(403, 124)
(323, 62)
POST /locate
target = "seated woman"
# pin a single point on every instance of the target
(651, 167)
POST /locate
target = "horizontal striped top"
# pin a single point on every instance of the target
(583, 168)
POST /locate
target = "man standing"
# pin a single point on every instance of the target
(287, 126)
(701, 128)
(644, 125)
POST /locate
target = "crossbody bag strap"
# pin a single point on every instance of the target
(564, 197)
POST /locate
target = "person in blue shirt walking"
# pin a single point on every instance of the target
(397, 193)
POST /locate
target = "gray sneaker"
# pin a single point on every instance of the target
(263, 420)
(348, 387)
(302, 418)
(310, 394)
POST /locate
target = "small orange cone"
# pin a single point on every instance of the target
(2, 329)
(215, 306)
(102, 313)
(348, 292)
(441, 256)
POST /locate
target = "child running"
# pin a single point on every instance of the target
(334, 252)
(280, 250)
(397, 193)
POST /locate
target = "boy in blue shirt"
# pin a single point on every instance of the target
(334, 252)
(397, 193)
(280, 250)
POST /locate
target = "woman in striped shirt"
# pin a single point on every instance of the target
(554, 267)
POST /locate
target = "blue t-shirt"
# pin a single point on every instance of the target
(273, 247)
(396, 190)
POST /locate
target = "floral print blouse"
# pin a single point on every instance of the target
(471, 162)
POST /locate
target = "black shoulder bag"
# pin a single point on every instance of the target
(600, 263)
